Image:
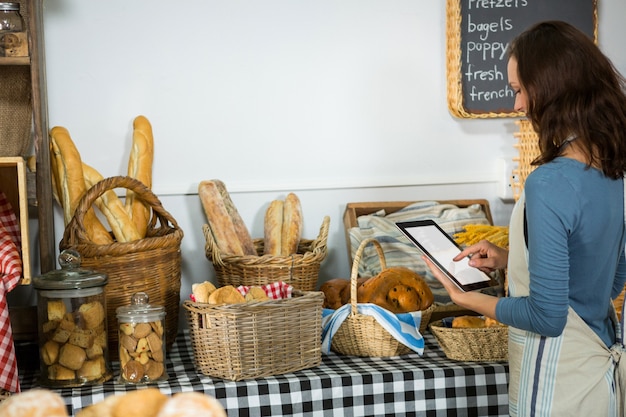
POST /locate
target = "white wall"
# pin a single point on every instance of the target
(337, 101)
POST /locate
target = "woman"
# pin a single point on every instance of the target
(566, 258)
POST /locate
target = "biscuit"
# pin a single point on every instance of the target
(56, 310)
(91, 314)
(71, 356)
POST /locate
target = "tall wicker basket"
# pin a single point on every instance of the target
(151, 265)
(362, 335)
(300, 270)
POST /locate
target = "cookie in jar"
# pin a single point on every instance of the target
(141, 334)
(71, 315)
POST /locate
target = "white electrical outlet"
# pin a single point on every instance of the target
(506, 166)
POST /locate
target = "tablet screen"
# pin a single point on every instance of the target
(440, 248)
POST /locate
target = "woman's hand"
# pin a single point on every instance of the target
(485, 256)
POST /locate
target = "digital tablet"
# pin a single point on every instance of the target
(440, 248)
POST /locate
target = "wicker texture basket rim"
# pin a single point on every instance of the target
(166, 233)
(472, 344)
(316, 252)
(362, 335)
(256, 339)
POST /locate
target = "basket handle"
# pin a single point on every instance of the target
(75, 232)
(355, 268)
(319, 244)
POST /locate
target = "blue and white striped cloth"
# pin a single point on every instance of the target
(403, 327)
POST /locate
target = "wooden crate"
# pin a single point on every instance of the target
(354, 210)
(13, 184)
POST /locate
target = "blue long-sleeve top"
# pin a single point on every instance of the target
(575, 220)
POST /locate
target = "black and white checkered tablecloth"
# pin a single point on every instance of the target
(410, 385)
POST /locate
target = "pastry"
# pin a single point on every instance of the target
(92, 369)
(227, 227)
(256, 293)
(91, 314)
(140, 168)
(111, 206)
(397, 289)
(36, 402)
(58, 372)
(273, 228)
(201, 291)
(292, 225)
(192, 404)
(71, 356)
(226, 295)
(140, 403)
(337, 291)
(468, 321)
(68, 171)
(50, 352)
(103, 408)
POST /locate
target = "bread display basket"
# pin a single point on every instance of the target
(256, 339)
(472, 344)
(151, 265)
(301, 270)
(362, 335)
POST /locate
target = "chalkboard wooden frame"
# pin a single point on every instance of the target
(454, 45)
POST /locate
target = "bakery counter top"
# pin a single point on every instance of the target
(409, 385)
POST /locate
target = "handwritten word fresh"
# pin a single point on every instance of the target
(483, 75)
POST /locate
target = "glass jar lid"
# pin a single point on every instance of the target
(10, 6)
(140, 310)
(71, 276)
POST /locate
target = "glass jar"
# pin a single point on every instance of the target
(13, 36)
(10, 18)
(141, 328)
(72, 325)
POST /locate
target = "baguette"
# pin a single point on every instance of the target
(71, 184)
(226, 226)
(112, 207)
(140, 168)
(273, 227)
(292, 225)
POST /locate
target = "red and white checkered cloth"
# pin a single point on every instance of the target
(10, 274)
(276, 290)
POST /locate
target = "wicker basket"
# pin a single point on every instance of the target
(256, 339)
(152, 264)
(485, 344)
(362, 335)
(300, 270)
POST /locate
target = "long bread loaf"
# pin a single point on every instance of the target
(229, 231)
(140, 168)
(112, 207)
(292, 225)
(273, 228)
(71, 183)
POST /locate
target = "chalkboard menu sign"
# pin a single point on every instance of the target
(478, 35)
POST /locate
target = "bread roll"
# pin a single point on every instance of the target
(397, 289)
(103, 408)
(140, 403)
(292, 225)
(111, 206)
(36, 402)
(201, 291)
(192, 404)
(229, 231)
(226, 295)
(256, 293)
(468, 322)
(71, 183)
(337, 291)
(273, 228)
(140, 168)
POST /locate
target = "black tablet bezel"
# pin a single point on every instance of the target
(403, 226)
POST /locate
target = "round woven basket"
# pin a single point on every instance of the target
(362, 335)
(481, 344)
(151, 265)
(300, 270)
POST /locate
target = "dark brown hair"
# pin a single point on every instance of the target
(572, 89)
